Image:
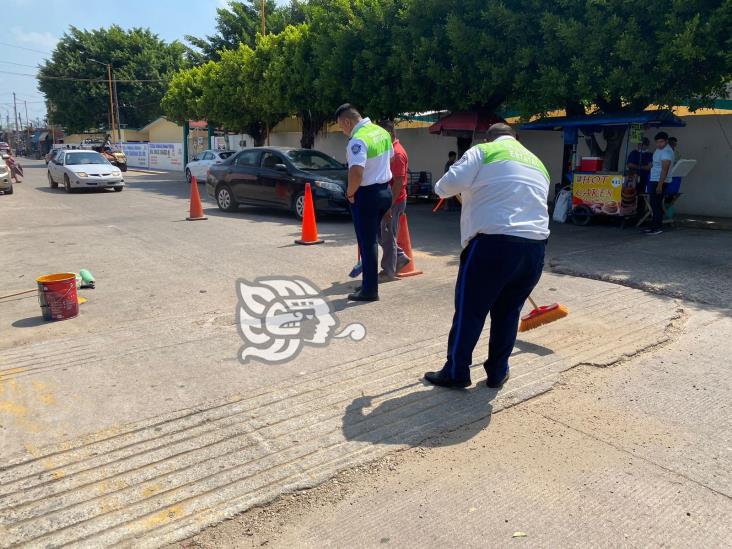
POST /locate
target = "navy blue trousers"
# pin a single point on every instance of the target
(497, 273)
(370, 204)
(657, 206)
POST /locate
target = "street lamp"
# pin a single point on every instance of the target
(112, 95)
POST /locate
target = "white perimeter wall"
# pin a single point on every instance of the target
(706, 191)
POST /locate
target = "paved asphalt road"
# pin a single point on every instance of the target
(135, 423)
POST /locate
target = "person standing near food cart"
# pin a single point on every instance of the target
(640, 162)
(675, 146)
(663, 161)
(504, 227)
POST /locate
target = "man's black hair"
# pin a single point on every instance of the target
(672, 139)
(452, 153)
(661, 135)
(499, 130)
(388, 125)
(347, 110)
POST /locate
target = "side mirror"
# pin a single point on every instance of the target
(281, 168)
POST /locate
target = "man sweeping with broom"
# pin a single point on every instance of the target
(504, 228)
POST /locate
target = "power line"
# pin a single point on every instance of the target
(123, 80)
(22, 48)
(19, 64)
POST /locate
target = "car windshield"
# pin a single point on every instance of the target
(304, 159)
(84, 158)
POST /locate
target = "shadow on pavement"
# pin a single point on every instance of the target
(414, 418)
(30, 322)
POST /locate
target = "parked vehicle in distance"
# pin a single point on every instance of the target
(4, 147)
(276, 177)
(54, 150)
(203, 161)
(83, 169)
(6, 182)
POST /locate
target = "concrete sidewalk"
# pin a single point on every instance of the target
(636, 455)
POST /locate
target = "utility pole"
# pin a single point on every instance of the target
(111, 97)
(15, 133)
(27, 129)
(116, 103)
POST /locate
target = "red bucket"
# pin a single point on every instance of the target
(57, 296)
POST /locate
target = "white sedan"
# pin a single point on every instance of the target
(203, 161)
(76, 169)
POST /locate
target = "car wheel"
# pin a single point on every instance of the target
(118, 189)
(298, 205)
(582, 215)
(225, 199)
(51, 182)
(67, 184)
(10, 190)
(123, 167)
(188, 175)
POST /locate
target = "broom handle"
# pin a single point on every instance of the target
(533, 303)
(19, 293)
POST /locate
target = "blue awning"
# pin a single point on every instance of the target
(595, 122)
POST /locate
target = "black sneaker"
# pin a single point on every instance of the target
(497, 383)
(653, 231)
(443, 380)
(358, 296)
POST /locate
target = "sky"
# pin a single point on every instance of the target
(38, 24)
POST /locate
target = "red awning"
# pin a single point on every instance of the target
(197, 124)
(466, 122)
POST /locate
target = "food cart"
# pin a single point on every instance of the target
(595, 191)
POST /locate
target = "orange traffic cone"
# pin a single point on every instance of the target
(405, 243)
(309, 227)
(196, 208)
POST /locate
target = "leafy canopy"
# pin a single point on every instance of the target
(135, 54)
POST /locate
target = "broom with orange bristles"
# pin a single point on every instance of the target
(542, 315)
(539, 315)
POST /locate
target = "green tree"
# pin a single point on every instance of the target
(135, 54)
(288, 71)
(240, 22)
(614, 56)
(353, 44)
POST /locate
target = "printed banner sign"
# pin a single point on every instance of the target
(166, 156)
(603, 193)
(136, 154)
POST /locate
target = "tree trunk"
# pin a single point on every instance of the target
(312, 123)
(614, 136)
(258, 131)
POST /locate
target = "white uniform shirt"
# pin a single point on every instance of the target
(375, 170)
(659, 155)
(503, 197)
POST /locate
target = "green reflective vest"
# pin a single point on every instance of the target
(510, 149)
(377, 139)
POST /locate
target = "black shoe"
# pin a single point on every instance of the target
(493, 384)
(358, 296)
(442, 380)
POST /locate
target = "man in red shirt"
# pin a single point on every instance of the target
(394, 259)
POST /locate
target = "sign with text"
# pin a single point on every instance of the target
(166, 156)
(136, 154)
(601, 192)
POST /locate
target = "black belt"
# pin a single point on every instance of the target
(509, 238)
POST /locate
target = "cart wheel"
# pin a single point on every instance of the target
(581, 215)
